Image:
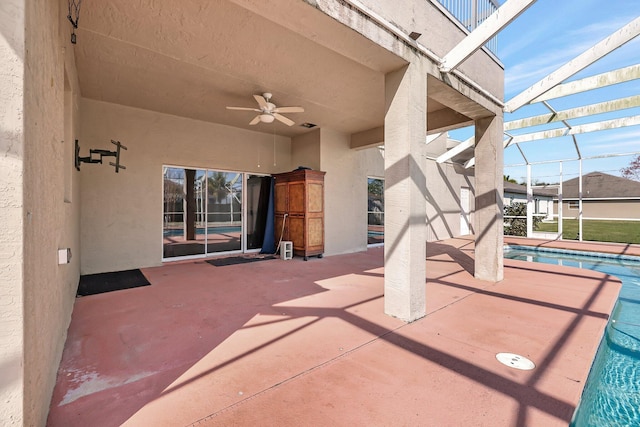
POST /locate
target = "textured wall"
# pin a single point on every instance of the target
(305, 150)
(12, 21)
(50, 221)
(441, 35)
(345, 194)
(48, 289)
(122, 213)
(444, 182)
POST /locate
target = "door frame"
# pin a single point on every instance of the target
(243, 222)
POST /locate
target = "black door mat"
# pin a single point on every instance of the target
(92, 284)
(221, 262)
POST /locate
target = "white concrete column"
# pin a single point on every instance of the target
(12, 70)
(560, 213)
(405, 193)
(489, 262)
(530, 205)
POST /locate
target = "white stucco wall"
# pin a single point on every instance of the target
(305, 150)
(345, 194)
(46, 222)
(12, 46)
(121, 218)
(441, 35)
(374, 162)
(444, 183)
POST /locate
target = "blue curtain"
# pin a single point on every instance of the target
(269, 244)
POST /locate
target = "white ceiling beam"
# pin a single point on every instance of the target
(472, 161)
(557, 133)
(587, 110)
(598, 81)
(432, 137)
(483, 33)
(456, 150)
(606, 46)
(578, 129)
(601, 156)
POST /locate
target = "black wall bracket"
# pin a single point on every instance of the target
(96, 155)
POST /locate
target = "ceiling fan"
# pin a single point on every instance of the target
(268, 111)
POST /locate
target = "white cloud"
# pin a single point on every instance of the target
(621, 140)
(544, 60)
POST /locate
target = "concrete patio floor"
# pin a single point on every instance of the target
(294, 343)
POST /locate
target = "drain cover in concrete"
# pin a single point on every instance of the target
(515, 361)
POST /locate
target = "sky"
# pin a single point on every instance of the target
(546, 36)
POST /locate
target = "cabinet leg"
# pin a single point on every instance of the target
(321, 255)
(306, 258)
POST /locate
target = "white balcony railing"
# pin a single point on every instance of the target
(471, 13)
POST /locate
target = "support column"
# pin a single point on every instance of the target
(405, 193)
(530, 205)
(489, 262)
(190, 204)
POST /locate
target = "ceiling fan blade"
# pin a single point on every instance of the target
(255, 120)
(243, 109)
(289, 110)
(283, 119)
(261, 101)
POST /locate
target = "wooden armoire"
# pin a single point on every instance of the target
(299, 207)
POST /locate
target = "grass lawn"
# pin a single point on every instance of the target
(594, 230)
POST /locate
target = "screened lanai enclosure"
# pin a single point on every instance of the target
(570, 141)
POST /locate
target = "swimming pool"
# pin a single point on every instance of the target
(611, 396)
(172, 232)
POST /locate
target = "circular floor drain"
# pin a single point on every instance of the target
(515, 361)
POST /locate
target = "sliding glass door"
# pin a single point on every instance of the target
(182, 232)
(224, 217)
(204, 212)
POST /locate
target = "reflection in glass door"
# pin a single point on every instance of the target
(375, 211)
(224, 217)
(184, 208)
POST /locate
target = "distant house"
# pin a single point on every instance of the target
(543, 199)
(604, 196)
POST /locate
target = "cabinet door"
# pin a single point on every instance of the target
(281, 197)
(315, 233)
(296, 232)
(316, 197)
(297, 198)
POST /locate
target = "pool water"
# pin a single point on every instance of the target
(172, 232)
(611, 396)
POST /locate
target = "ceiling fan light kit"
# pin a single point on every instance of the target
(268, 111)
(266, 118)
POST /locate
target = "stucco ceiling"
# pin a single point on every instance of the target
(192, 58)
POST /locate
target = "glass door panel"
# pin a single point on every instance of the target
(224, 214)
(375, 211)
(183, 233)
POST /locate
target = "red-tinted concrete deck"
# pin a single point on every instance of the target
(294, 343)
